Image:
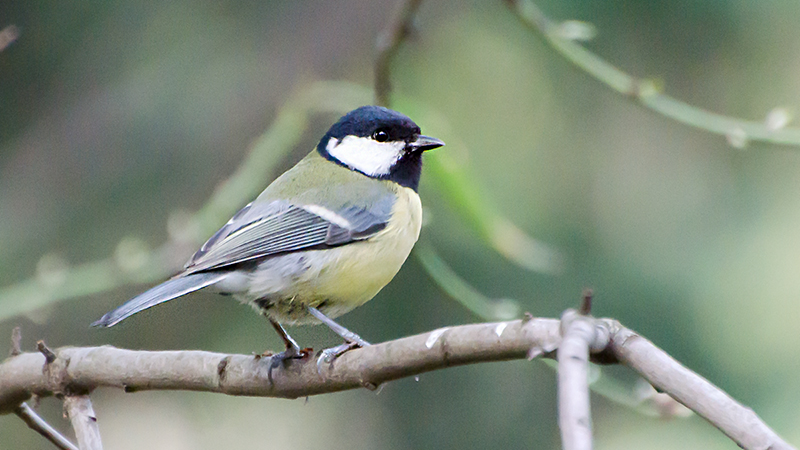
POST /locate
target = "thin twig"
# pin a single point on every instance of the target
(737, 131)
(388, 44)
(586, 302)
(81, 414)
(16, 342)
(8, 35)
(36, 423)
(49, 356)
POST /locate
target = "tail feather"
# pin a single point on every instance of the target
(164, 292)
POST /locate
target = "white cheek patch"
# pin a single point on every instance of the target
(366, 155)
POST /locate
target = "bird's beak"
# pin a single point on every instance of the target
(422, 143)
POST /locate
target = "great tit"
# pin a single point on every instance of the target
(323, 238)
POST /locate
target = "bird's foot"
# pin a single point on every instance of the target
(292, 351)
(278, 359)
(352, 340)
(328, 355)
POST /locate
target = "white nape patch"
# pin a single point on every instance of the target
(366, 155)
(328, 215)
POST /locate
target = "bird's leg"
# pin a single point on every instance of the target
(352, 340)
(291, 345)
(292, 349)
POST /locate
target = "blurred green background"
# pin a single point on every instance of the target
(117, 115)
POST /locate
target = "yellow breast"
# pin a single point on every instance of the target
(342, 278)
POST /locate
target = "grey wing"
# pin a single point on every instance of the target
(261, 230)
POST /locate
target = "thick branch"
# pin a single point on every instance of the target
(77, 371)
(80, 370)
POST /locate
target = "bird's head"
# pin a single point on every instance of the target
(379, 143)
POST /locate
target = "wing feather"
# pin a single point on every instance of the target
(258, 231)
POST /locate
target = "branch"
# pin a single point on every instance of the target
(78, 371)
(579, 336)
(36, 423)
(574, 416)
(737, 131)
(16, 342)
(82, 369)
(80, 412)
(388, 44)
(695, 392)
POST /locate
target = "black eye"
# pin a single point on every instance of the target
(380, 135)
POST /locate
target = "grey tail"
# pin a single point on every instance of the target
(164, 292)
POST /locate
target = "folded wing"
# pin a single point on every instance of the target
(262, 230)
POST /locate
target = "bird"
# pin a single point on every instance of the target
(322, 239)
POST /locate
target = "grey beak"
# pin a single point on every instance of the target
(422, 143)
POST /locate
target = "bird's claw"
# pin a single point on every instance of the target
(330, 354)
(277, 359)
